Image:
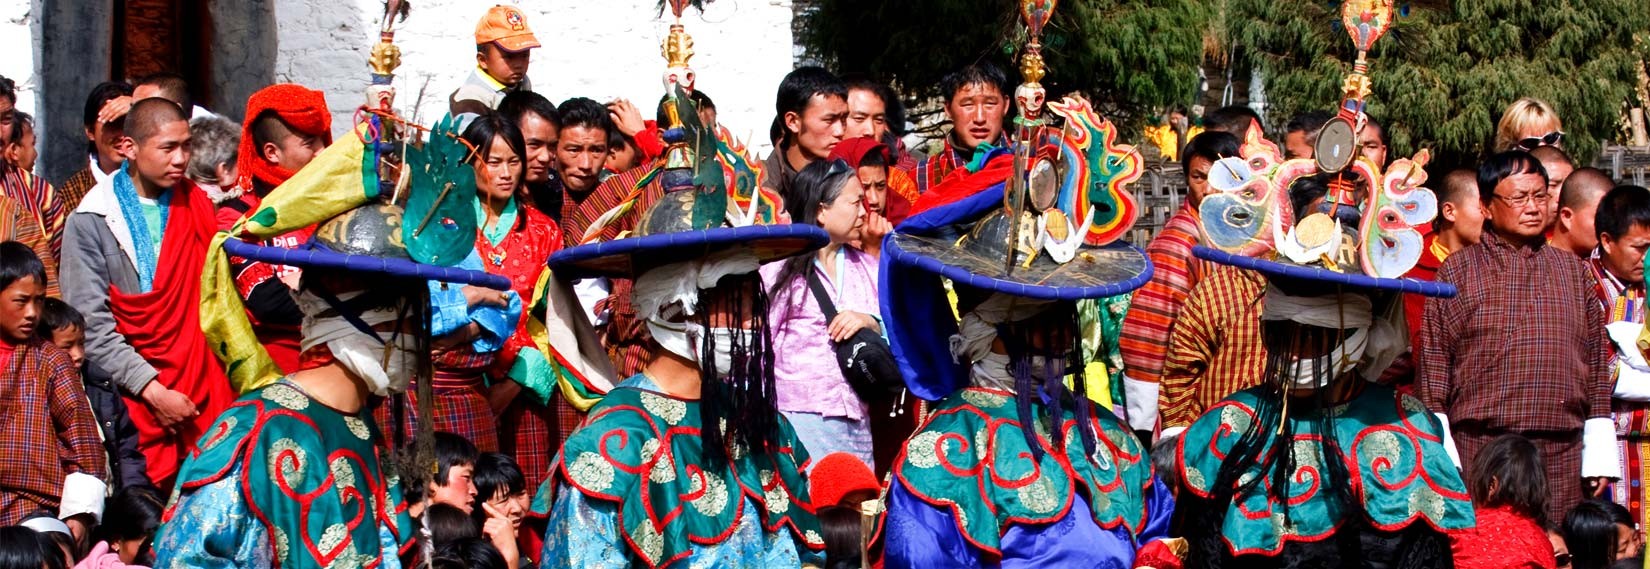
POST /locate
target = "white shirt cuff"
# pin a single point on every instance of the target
(1449, 440)
(1599, 454)
(1141, 398)
(83, 494)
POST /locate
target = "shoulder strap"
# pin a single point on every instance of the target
(824, 300)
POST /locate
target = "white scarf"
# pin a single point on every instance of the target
(358, 351)
(665, 296)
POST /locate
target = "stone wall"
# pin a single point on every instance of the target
(600, 49)
(18, 19)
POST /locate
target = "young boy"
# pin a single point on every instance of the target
(50, 440)
(64, 327)
(504, 46)
(33, 193)
(454, 479)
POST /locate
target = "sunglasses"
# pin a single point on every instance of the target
(1549, 139)
(1562, 559)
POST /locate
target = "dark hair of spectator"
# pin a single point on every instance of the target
(56, 315)
(1508, 472)
(518, 103)
(447, 524)
(584, 112)
(1209, 145)
(488, 128)
(8, 89)
(467, 553)
(1309, 122)
(1164, 462)
(62, 543)
(173, 87)
(24, 548)
(1304, 191)
(1503, 165)
(1234, 119)
(132, 513)
(497, 475)
(452, 450)
(1590, 533)
(982, 73)
(701, 100)
(1386, 139)
(18, 261)
(1624, 208)
(893, 109)
(21, 123)
(797, 91)
(101, 94)
(148, 116)
(841, 528)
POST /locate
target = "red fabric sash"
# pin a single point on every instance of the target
(163, 325)
(961, 183)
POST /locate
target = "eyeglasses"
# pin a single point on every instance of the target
(1524, 200)
(1561, 559)
(1548, 139)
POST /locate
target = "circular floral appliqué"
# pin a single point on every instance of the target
(286, 396)
(671, 410)
(358, 428)
(591, 471)
(714, 498)
(983, 399)
(286, 462)
(343, 474)
(920, 451)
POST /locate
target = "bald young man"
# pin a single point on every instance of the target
(1577, 206)
(133, 253)
(1559, 166)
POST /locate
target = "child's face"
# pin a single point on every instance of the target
(71, 339)
(460, 490)
(20, 309)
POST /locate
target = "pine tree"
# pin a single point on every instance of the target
(1444, 74)
(1132, 58)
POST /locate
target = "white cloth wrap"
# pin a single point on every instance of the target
(978, 328)
(1449, 439)
(358, 351)
(663, 295)
(1600, 457)
(82, 494)
(47, 525)
(1632, 371)
(1141, 397)
(1375, 344)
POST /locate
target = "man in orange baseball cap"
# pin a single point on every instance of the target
(504, 44)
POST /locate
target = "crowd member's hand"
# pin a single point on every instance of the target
(79, 528)
(170, 407)
(114, 109)
(626, 117)
(876, 227)
(499, 395)
(848, 323)
(502, 534)
(455, 339)
(1596, 486)
(476, 296)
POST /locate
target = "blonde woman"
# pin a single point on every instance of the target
(1527, 124)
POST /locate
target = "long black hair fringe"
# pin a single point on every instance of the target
(740, 410)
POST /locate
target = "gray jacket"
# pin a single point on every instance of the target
(92, 262)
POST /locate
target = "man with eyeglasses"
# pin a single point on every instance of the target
(1519, 350)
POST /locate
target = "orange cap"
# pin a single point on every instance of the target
(506, 26)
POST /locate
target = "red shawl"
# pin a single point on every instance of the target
(163, 325)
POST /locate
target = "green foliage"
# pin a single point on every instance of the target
(1443, 75)
(1130, 57)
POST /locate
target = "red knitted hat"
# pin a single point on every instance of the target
(838, 475)
(301, 108)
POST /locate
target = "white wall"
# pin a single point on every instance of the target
(17, 19)
(601, 49)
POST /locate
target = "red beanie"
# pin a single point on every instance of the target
(854, 150)
(301, 108)
(838, 475)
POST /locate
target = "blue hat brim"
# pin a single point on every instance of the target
(919, 320)
(317, 256)
(1309, 277)
(625, 258)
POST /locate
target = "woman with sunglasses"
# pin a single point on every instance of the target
(1527, 124)
(1508, 485)
(812, 390)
